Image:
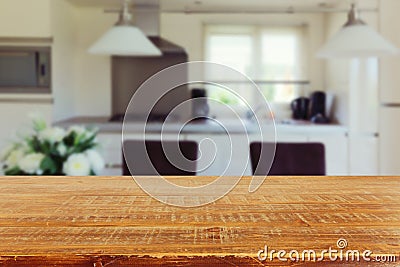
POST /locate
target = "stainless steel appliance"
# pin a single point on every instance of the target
(25, 69)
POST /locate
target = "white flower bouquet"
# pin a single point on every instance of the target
(54, 151)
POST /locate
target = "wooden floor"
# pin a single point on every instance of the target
(110, 221)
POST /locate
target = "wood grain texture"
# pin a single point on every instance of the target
(110, 221)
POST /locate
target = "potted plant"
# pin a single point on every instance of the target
(54, 151)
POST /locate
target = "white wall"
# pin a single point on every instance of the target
(63, 23)
(93, 91)
(82, 82)
(337, 72)
(186, 30)
(25, 18)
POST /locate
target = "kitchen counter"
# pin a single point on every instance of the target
(208, 126)
(333, 137)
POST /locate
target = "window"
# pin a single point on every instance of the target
(273, 57)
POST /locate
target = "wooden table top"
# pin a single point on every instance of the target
(110, 221)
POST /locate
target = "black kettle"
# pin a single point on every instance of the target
(300, 108)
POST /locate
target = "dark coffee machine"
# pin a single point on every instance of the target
(300, 107)
(200, 107)
(318, 107)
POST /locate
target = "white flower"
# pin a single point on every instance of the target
(6, 151)
(31, 163)
(77, 165)
(53, 135)
(61, 149)
(96, 161)
(13, 158)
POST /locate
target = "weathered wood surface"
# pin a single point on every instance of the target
(110, 221)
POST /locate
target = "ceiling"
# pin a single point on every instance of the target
(253, 5)
(109, 3)
(236, 5)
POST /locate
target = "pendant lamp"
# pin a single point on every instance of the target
(356, 39)
(124, 39)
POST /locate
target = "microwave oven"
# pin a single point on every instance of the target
(25, 69)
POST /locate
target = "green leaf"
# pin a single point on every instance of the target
(85, 145)
(48, 165)
(39, 125)
(14, 171)
(69, 139)
(34, 144)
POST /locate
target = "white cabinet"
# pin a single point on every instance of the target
(363, 154)
(336, 152)
(27, 19)
(220, 154)
(389, 141)
(238, 163)
(111, 150)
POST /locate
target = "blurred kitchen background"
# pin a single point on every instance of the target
(350, 105)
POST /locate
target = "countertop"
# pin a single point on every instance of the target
(208, 126)
(110, 221)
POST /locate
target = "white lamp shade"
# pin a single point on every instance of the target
(124, 40)
(357, 41)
